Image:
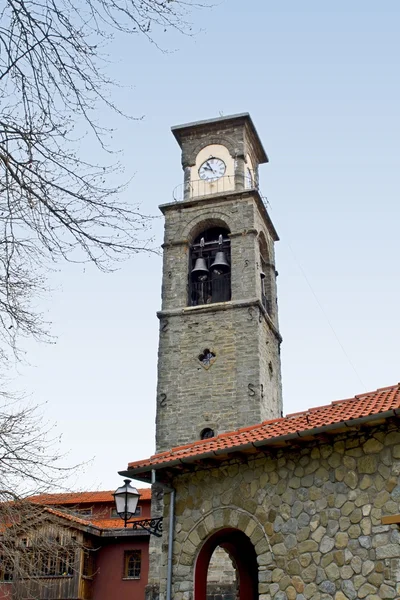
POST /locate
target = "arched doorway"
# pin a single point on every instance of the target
(243, 556)
(222, 578)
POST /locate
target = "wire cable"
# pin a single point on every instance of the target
(302, 271)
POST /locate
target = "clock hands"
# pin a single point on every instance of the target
(208, 167)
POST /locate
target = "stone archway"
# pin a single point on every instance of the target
(242, 552)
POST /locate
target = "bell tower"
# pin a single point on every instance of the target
(219, 361)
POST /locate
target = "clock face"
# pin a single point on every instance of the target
(212, 169)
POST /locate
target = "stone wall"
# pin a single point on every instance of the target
(243, 385)
(156, 545)
(313, 513)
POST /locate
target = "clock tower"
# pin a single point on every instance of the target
(219, 362)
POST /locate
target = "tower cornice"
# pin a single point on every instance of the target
(199, 201)
(223, 306)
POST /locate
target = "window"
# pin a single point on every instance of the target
(6, 569)
(132, 564)
(207, 358)
(89, 568)
(49, 564)
(115, 515)
(209, 266)
(266, 275)
(82, 512)
(46, 563)
(206, 434)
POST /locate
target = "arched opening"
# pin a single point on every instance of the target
(207, 433)
(265, 274)
(241, 572)
(209, 267)
(222, 580)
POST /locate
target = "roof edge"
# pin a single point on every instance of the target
(179, 130)
(131, 472)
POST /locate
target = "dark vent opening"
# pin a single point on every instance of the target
(207, 433)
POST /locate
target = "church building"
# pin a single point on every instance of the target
(256, 505)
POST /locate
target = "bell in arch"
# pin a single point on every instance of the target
(200, 267)
(220, 261)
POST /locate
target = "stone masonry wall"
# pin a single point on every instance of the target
(313, 513)
(243, 385)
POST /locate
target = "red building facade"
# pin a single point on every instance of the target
(95, 558)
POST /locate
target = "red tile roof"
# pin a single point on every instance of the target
(293, 426)
(55, 503)
(90, 521)
(83, 497)
(68, 516)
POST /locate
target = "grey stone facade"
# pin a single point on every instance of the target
(243, 385)
(313, 513)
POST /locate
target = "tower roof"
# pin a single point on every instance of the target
(180, 131)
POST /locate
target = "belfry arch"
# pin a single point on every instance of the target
(243, 555)
(209, 277)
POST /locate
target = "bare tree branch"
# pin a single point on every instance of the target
(54, 203)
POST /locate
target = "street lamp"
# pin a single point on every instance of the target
(126, 499)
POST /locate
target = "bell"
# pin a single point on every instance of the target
(200, 267)
(220, 263)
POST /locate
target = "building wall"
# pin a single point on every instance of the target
(313, 514)
(5, 591)
(109, 583)
(243, 385)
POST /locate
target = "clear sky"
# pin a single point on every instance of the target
(321, 82)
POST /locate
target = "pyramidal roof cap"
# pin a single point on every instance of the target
(179, 131)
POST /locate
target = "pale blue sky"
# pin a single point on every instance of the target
(322, 86)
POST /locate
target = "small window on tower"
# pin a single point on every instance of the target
(270, 369)
(265, 274)
(207, 433)
(207, 358)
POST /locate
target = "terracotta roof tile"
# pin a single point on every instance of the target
(116, 523)
(101, 524)
(68, 516)
(296, 424)
(83, 497)
(113, 524)
(61, 504)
